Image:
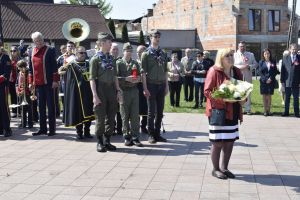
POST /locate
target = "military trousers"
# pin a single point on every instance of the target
(129, 110)
(106, 111)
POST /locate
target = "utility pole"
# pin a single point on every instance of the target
(291, 26)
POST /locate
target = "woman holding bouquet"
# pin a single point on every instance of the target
(267, 70)
(222, 136)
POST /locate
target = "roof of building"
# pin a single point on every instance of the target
(20, 19)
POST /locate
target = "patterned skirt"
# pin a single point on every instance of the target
(228, 132)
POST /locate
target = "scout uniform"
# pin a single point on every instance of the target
(154, 65)
(103, 72)
(5, 68)
(129, 109)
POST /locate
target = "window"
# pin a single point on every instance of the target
(274, 20)
(254, 18)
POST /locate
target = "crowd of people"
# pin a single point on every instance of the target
(127, 96)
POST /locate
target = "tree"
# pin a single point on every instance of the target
(141, 38)
(125, 37)
(104, 7)
(112, 28)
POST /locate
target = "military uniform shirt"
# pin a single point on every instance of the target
(124, 70)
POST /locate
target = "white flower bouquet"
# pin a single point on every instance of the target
(233, 90)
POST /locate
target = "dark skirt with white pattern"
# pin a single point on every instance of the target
(230, 131)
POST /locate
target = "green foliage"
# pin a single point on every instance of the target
(141, 38)
(125, 37)
(112, 28)
(104, 7)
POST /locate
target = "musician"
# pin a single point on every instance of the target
(5, 69)
(44, 78)
(62, 60)
(22, 86)
(78, 95)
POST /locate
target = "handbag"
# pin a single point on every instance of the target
(217, 117)
(276, 85)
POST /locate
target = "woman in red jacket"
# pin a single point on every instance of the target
(222, 137)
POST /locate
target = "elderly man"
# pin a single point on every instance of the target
(44, 78)
(187, 62)
(246, 62)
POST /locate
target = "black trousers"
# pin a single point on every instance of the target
(175, 88)
(156, 103)
(26, 112)
(288, 92)
(188, 85)
(46, 98)
(4, 111)
(87, 125)
(13, 95)
(199, 88)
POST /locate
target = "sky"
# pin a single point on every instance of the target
(132, 9)
(128, 9)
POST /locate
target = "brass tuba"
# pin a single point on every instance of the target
(76, 30)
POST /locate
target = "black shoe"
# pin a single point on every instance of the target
(284, 114)
(151, 140)
(218, 174)
(39, 133)
(201, 106)
(7, 133)
(228, 173)
(266, 114)
(137, 143)
(144, 130)
(128, 142)
(88, 135)
(79, 136)
(196, 106)
(297, 115)
(30, 126)
(161, 139)
(51, 133)
(1, 132)
(110, 147)
(101, 147)
(270, 114)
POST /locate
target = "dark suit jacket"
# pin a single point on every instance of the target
(264, 73)
(290, 72)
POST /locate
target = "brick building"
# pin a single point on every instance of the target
(222, 23)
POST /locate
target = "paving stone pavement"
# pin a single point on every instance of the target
(266, 161)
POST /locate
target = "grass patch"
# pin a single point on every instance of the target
(257, 104)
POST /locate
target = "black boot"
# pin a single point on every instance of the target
(7, 133)
(128, 141)
(79, 132)
(100, 145)
(158, 137)
(108, 145)
(152, 138)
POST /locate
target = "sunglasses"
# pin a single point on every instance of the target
(81, 52)
(229, 55)
(13, 50)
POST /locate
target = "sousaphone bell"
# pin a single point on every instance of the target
(76, 30)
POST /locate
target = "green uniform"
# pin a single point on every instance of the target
(129, 109)
(103, 72)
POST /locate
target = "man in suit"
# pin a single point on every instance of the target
(246, 62)
(290, 79)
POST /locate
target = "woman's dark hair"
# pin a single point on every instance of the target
(262, 54)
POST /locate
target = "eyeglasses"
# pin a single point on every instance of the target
(81, 52)
(13, 50)
(157, 36)
(229, 55)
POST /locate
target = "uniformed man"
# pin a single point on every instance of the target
(5, 68)
(155, 83)
(78, 105)
(106, 92)
(143, 110)
(128, 72)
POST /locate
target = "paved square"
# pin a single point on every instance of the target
(266, 161)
